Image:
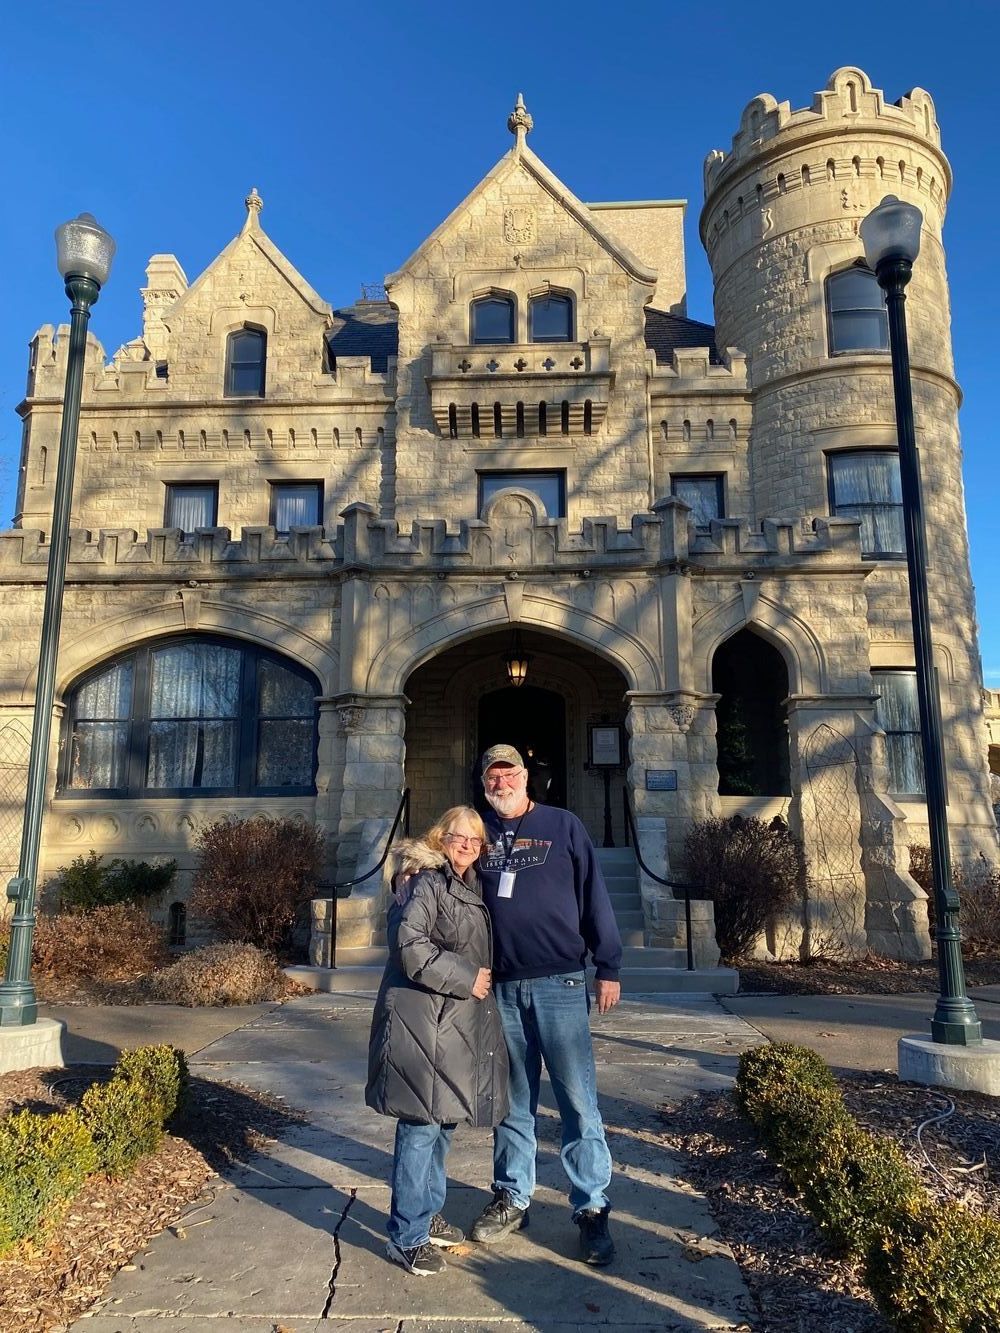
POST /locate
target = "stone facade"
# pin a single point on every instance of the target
(402, 600)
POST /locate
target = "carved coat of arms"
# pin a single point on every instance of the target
(518, 225)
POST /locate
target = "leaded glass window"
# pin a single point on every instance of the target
(202, 715)
(864, 484)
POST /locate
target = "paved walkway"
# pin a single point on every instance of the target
(293, 1241)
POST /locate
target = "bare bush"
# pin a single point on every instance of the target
(252, 876)
(978, 888)
(750, 871)
(117, 943)
(220, 974)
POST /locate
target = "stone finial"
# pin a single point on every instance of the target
(519, 122)
(254, 203)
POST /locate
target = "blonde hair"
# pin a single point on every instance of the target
(434, 837)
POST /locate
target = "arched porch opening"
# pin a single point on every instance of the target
(751, 678)
(462, 701)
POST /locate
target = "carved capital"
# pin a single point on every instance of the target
(352, 718)
(683, 715)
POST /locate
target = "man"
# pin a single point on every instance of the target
(549, 908)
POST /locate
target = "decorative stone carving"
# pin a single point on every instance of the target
(518, 225)
(683, 715)
(351, 718)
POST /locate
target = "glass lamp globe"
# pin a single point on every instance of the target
(84, 249)
(891, 231)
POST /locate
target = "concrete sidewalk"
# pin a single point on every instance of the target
(294, 1240)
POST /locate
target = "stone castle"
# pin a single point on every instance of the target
(324, 555)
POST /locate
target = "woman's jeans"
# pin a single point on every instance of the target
(547, 1019)
(419, 1180)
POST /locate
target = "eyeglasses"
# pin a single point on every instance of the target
(464, 839)
(508, 778)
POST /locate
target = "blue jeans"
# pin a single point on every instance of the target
(419, 1180)
(547, 1019)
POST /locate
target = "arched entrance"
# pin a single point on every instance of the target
(461, 701)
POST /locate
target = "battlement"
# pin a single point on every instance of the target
(849, 105)
(514, 536)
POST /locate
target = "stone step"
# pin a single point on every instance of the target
(655, 979)
(630, 918)
(626, 900)
(622, 883)
(616, 857)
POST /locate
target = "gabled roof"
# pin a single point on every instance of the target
(666, 332)
(253, 232)
(521, 157)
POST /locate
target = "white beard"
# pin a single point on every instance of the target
(506, 803)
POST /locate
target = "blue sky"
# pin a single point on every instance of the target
(362, 125)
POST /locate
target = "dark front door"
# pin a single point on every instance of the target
(533, 720)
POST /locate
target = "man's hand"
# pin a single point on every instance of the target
(481, 985)
(607, 993)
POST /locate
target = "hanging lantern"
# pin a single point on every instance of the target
(516, 661)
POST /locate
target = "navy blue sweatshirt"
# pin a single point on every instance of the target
(559, 910)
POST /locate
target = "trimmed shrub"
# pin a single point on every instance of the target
(124, 1121)
(161, 1071)
(90, 881)
(937, 1271)
(253, 875)
(106, 944)
(43, 1162)
(221, 974)
(751, 872)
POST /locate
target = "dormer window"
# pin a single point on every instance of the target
(246, 361)
(493, 319)
(550, 319)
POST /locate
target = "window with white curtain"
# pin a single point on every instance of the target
(898, 714)
(864, 484)
(703, 492)
(296, 504)
(197, 714)
(191, 505)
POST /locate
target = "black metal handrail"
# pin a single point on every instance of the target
(630, 833)
(402, 816)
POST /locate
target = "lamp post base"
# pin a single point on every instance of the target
(975, 1068)
(39, 1044)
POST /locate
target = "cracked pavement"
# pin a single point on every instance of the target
(293, 1240)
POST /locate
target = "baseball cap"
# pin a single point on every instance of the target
(502, 754)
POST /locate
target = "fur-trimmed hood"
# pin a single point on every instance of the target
(410, 857)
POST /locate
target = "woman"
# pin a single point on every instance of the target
(437, 1053)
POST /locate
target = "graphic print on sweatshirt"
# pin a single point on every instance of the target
(499, 856)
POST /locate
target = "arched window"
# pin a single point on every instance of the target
(195, 715)
(751, 730)
(493, 319)
(550, 319)
(856, 315)
(246, 362)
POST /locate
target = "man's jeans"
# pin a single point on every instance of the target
(419, 1180)
(546, 1018)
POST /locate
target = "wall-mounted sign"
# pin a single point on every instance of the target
(661, 779)
(605, 746)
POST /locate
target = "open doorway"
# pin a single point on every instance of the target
(533, 720)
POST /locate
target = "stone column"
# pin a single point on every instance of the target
(670, 736)
(370, 738)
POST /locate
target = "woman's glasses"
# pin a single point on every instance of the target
(464, 839)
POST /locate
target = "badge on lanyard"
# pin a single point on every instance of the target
(506, 888)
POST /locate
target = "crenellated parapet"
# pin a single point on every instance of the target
(515, 536)
(849, 105)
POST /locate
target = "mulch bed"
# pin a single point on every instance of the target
(865, 976)
(798, 1282)
(52, 1281)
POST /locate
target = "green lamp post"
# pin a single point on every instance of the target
(84, 252)
(891, 237)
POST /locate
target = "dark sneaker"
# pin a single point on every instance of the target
(596, 1245)
(498, 1219)
(423, 1260)
(443, 1233)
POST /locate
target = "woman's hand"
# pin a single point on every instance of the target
(481, 985)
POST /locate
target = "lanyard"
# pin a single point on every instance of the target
(509, 851)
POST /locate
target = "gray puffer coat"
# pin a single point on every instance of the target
(436, 1054)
